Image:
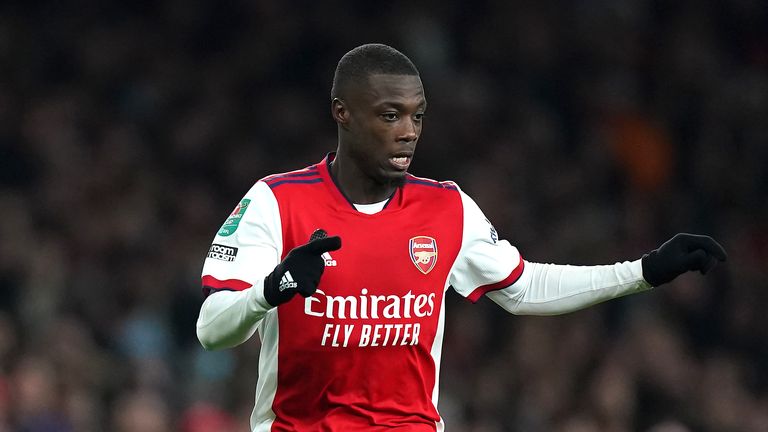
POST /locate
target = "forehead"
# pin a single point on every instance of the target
(402, 89)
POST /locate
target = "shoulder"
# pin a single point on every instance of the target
(429, 184)
(444, 192)
(431, 195)
(304, 176)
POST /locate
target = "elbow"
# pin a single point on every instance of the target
(208, 334)
(224, 321)
(512, 308)
(542, 309)
(207, 340)
(516, 306)
(213, 339)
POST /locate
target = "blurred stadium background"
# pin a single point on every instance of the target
(588, 131)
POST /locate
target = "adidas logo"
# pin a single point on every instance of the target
(329, 261)
(287, 282)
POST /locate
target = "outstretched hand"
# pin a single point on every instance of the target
(680, 254)
(300, 270)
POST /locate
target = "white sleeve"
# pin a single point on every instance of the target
(245, 250)
(229, 318)
(484, 263)
(549, 289)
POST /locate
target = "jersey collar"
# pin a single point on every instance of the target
(342, 200)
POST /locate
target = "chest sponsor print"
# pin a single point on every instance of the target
(423, 251)
(370, 320)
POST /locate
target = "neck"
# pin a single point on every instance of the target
(357, 186)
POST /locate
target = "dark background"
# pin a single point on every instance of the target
(588, 131)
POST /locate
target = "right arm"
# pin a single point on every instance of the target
(245, 250)
(243, 276)
(229, 318)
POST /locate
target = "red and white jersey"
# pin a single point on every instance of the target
(363, 353)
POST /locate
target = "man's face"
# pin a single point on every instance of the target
(385, 121)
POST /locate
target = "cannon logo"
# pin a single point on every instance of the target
(423, 252)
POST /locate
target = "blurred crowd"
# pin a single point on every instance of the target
(588, 132)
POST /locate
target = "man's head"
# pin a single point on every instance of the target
(370, 59)
(378, 103)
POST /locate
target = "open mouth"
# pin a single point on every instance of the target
(400, 162)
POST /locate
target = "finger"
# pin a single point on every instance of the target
(707, 244)
(322, 245)
(318, 234)
(696, 260)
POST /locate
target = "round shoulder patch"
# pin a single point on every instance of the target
(233, 221)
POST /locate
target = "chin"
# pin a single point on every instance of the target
(390, 177)
(397, 181)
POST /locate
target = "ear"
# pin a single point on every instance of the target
(340, 112)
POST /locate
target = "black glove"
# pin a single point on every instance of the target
(300, 270)
(681, 253)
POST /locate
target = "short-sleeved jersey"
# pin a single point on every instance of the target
(362, 353)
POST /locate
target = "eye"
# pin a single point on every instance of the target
(389, 116)
(418, 116)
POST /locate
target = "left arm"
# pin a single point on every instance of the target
(549, 289)
(487, 265)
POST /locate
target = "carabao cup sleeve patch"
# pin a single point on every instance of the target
(233, 221)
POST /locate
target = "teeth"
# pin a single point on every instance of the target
(401, 159)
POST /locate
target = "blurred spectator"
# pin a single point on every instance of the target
(141, 411)
(36, 403)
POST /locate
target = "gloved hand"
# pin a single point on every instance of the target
(300, 270)
(681, 253)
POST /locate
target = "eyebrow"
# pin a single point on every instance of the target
(400, 105)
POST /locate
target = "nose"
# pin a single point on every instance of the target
(409, 132)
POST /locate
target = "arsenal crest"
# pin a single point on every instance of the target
(423, 252)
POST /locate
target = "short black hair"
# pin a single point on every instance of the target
(370, 59)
